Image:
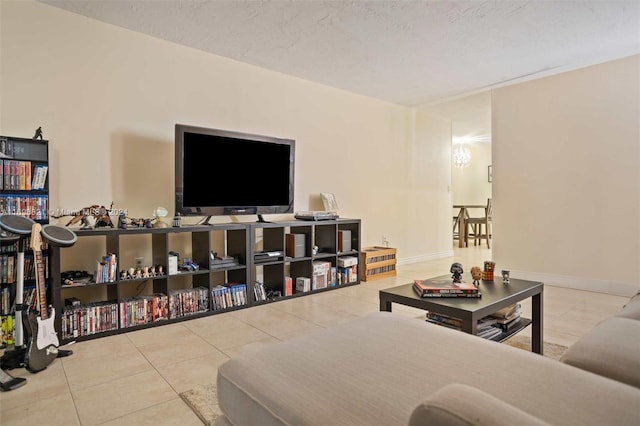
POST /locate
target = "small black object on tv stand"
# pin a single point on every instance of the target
(205, 221)
(261, 219)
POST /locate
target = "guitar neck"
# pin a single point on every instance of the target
(42, 292)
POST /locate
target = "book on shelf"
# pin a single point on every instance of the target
(489, 332)
(508, 319)
(106, 269)
(444, 286)
(259, 291)
(288, 286)
(216, 262)
(506, 326)
(444, 324)
(507, 311)
(486, 322)
(444, 319)
(428, 294)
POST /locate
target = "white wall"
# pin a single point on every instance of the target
(108, 99)
(565, 148)
(566, 158)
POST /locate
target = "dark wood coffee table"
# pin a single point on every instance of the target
(495, 296)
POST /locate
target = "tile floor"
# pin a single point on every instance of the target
(135, 378)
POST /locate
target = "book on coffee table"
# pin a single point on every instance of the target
(442, 287)
(448, 295)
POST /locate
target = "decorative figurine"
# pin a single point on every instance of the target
(476, 274)
(505, 276)
(160, 213)
(177, 221)
(489, 267)
(38, 134)
(456, 270)
(122, 221)
(132, 273)
(99, 213)
(102, 217)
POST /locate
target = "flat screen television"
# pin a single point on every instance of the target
(222, 173)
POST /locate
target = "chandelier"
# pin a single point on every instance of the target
(461, 156)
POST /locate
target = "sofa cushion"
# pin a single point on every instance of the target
(461, 405)
(610, 349)
(376, 370)
(632, 309)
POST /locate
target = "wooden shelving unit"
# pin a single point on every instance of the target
(131, 304)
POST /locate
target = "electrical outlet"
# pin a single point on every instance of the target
(385, 241)
(139, 262)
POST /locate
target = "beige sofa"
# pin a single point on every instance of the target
(387, 369)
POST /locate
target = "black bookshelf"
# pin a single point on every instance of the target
(233, 240)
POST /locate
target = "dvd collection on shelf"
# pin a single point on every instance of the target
(488, 327)
(22, 175)
(106, 269)
(228, 295)
(86, 319)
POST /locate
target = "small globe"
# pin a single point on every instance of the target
(160, 212)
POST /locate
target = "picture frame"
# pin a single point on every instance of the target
(490, 173)
(329, 202)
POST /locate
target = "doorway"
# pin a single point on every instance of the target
(471, 159)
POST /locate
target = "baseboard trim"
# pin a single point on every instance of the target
(615, 288)
(425, 258)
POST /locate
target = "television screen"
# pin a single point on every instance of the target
(220, 172)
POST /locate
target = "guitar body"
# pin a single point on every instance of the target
(42, 343)
(42, 346)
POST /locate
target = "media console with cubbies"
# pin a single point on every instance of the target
(122, 304)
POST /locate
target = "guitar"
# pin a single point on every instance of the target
(42, 342)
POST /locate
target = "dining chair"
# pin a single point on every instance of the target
(456, 228)
(480, 227)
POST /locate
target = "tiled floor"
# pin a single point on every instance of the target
(135, 378)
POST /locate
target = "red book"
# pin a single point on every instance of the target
(288, 286)
(444, 286)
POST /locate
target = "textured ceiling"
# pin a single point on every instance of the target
(407, 52)
(415, 53)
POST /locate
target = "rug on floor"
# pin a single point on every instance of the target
(203, 400)
(550, 350)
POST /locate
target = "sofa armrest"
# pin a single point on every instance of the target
(610, 349)
(461, 405)
(631, 309)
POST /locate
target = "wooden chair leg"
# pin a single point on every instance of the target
(466, 235)
(488, 235)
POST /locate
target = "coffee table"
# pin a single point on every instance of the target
(495, 296)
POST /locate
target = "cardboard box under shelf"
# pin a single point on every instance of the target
(377, 262)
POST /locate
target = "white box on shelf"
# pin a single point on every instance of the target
(319, 281)
(347, 261)
(303, 284)
(320, 267)
(173, 265)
